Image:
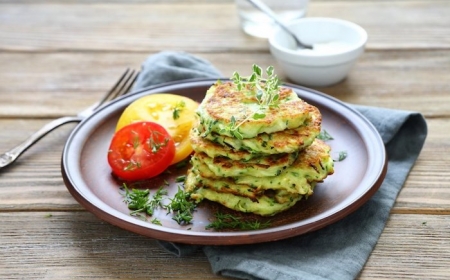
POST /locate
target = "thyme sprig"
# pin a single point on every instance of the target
(228, 221)
(266, 93)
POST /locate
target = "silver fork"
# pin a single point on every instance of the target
(121, 87)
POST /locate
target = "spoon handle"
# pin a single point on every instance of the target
(265, 9)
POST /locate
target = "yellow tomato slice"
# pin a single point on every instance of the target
(175, 113)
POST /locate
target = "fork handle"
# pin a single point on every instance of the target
(10, 156)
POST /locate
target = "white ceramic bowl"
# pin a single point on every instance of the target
(337, 45)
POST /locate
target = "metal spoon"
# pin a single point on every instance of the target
(265, 9)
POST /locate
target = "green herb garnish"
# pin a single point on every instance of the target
(154, 144)
(228, 221)
(342, 155)
(180, 179)
(324, 135)
(156, 222)
(132, 165)
(140, 202)
(266, 92)
(182, 163)
(178, 108)
(182, 207)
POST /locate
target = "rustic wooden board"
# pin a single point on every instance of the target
(65, 83)
(69, 245)
(411, 247)
(208, 27)
(66, 245)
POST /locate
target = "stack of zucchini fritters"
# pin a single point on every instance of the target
(261, 163)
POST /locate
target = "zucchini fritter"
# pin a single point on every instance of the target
(223, 102)
(269, 165)
(262, 164)
(312, 165)
(286, 141)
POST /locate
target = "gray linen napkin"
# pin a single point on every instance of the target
(338, 251)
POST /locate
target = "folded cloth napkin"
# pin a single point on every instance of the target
(338, 251)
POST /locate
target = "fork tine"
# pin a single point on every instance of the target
(131, 83)
(127, 84)
(113, 90)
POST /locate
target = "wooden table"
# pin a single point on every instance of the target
(57, 57)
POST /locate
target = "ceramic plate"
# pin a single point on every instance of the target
(87, 174)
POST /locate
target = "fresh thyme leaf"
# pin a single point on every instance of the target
(176, 114)
(178, 108)
(156, 222)
(324, 135)
(257, 70)
(237, 134)
(342, 155)
(233, 121)
(266, 93)
(228, 221)
(258, 116)
(270, 70)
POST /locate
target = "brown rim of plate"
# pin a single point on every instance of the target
(87, 175)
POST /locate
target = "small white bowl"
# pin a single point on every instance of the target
(337, 44)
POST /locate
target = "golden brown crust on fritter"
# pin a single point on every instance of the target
(223, 102)
(286, 141)
(270, 165)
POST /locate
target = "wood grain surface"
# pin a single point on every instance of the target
(59, 56)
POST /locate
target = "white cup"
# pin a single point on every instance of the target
(256, 23)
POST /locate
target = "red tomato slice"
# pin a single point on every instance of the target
(140, 151)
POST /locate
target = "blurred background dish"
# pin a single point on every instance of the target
(337, 44)
(256, 23)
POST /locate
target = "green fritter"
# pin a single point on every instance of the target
(267, 204)
(286, 141)
(225, 110)
(263, 195)
(271, 165)
(313, 164)
(212, 149)
(221, 185)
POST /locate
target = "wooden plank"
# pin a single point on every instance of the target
(411, 247)
(67, 245)
(34, 182)
(206, 27)
(54, 84)
(427, 189)
(76, 244)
